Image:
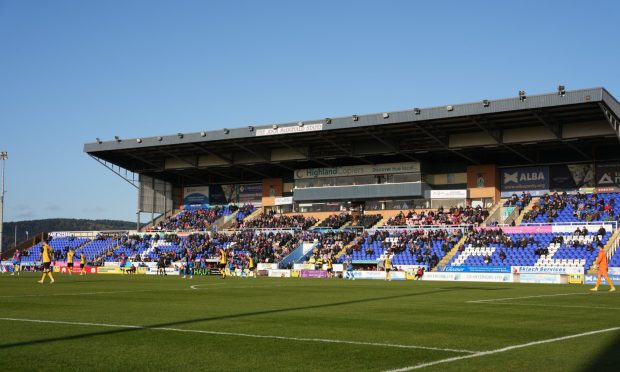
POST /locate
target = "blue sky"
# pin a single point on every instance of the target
(71, 71)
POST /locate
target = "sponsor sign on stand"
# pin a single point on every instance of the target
(533, 229)
(198, 195)
(313, 274)
(310, 127)
(542, 278)
(614, 271)
(358, 170)
(468, 277)
(109, 270)
(448, 194)
(440, 276)
(169, 271)
(608, 175)
(591, 279)
(280, 273)
(476, 269)
(575, 279)
(571, 176)
(267, 266)
(524, 179)
(76, 269)
(378, 275)
(547, 270)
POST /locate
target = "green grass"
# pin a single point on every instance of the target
(306, 313)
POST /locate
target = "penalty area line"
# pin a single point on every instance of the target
(504, 349)
(524, 297)
(220, 333)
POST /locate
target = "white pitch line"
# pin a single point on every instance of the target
(504, 349)
(241, 335)
(546, 305)
(523, 297)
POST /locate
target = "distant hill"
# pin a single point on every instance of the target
(57, 224)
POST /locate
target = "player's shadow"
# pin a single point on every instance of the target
(607, 360)
(207, 319)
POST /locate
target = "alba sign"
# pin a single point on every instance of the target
(522, 179)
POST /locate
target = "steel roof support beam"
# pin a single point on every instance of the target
(308, 157)
(258, 155)
(613, 121)
(340, 147)
(444, 144)
(551, 123)
(390, 145)
(133, 182)
(195, 165)
(496, 135)
(230, 162)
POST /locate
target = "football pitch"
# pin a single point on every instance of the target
(268, 324)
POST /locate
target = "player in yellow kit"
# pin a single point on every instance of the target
(222, 262)
(251, 266)
(70, 255)
(82, 263)
(46, 255)
(388, 267)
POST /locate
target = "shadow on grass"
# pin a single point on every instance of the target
(222, 317)
(606, 360)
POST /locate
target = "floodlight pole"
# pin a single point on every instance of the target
(3, 156)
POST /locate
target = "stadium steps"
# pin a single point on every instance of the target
(147, 253)
(157, 220)
(448, 256)
(610, 248)
(343, 251)
(79, 247)
(527, 208)
(254, 214)
(493, 211)
(225, 222)
(387, 214)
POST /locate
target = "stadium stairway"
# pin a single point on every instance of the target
(299, 254)
(494, 212)
(610, 248)
(344, 249)
(254, 214)
(77, 250)
(147, 253)
(444, 261)
(527, 208)
(225, 222)
(157, 220)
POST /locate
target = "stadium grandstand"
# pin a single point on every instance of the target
(529, 181)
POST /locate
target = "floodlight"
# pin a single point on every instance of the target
(561, 90)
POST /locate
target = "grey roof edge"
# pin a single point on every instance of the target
(426, 114)
(612, 103)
